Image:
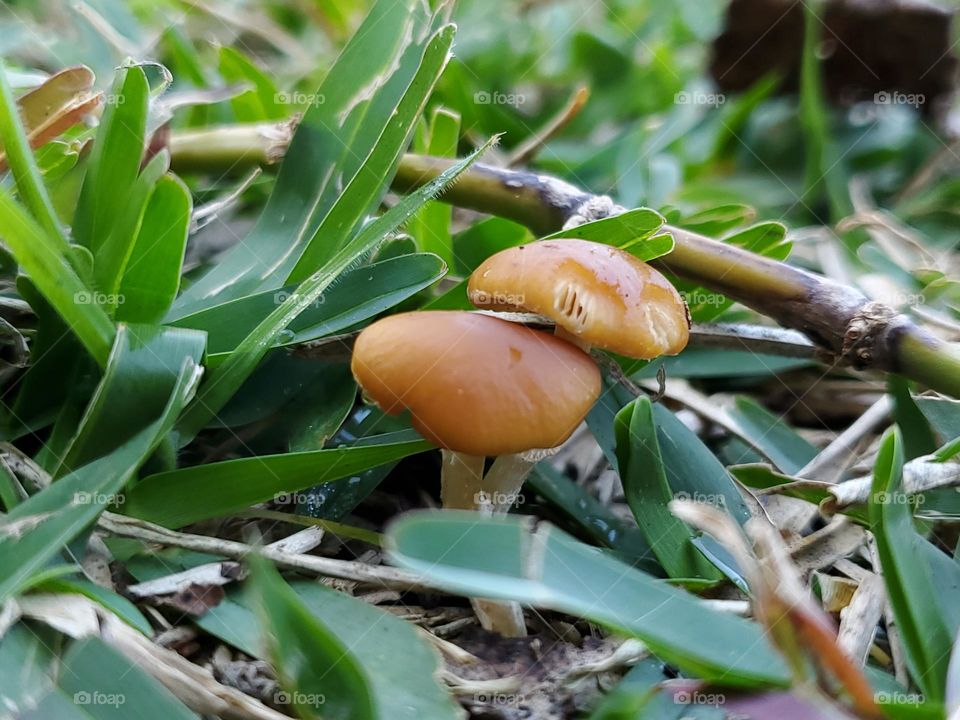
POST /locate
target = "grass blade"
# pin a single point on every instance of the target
(237, 367)
(40, 256)
(20, 159)
(500, 558)
(184, 496)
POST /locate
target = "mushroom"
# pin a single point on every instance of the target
(598, 295)
(477, 386)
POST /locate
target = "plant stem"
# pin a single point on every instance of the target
(230, 148)
(845, 325)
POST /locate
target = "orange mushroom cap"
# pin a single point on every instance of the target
(476, 384)
(598, 293)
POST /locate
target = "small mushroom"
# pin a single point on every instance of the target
(598, 295)
(478, 386)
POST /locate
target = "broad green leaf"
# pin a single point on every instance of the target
(358, 295)
(331, 142)
(336, 500)
(771, 435)
(595, 518)
(151, 276)
(51, 271)
(281, 380)
(943, 414)
(314, 420)
(114, 162)
(635, 231)
(184, 496)
(115, 250)
(142, 370)
(766, 238)
(408, 690)
(370, 182)
(243, 360)
(27, 666)
(500, 558)
(109, 686)
(692, 470)
(717, 220)
(907, 575)
(57, 514)
(648, 493)
(918, 437)
(321, 675)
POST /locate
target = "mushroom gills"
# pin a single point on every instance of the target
(573, 303)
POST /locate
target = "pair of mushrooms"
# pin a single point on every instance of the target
(477, 385)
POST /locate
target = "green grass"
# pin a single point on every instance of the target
(189, 335)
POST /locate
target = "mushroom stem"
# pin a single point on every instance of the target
(460, 480)
(502, 483)
(463, 487)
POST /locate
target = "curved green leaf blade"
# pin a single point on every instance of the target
(331, 142)
(907, 573)
(54, 275)
(322, 676)
(115, 161)
(59, 513)
(648, 493)
(109, 686)
(181, 497)
(237, 367)
(23, 165)
(408, 690)
(151, 276)
(360, 294)
(500, 558)
(142, 370)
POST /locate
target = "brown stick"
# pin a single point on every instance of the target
(845, 325)
(839, 319)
